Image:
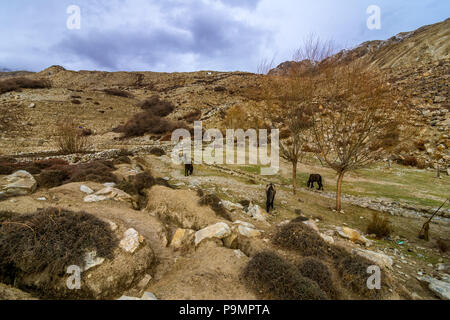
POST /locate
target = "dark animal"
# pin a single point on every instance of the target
(270, 196)
(315, 178)
(188, 169)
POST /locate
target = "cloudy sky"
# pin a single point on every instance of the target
(188, 35)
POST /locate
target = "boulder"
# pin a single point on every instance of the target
(248, 232)
(255, 212)
(19, 183)
(86, 189)
(230, 206)
(219, 230)
(130, 241)
(328, 239)
(378, 258)
(440, 288)
(353, 235)
(108, 193)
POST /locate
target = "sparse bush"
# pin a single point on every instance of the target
(216, 204)
(271, 277)
(75, 101)
(193, 116)
(96, 171)
(118, 93)
(48, 241)
(69, 138)
(122, 159)
(146, 122)
(157, 151)
(157, 107)
(33, 167)
(420, 144)
(301, 238)
(353, 272)
(379, 226)
(316, 270)
(220, 89)
(443, 245)
(13, 84)
(52, 178)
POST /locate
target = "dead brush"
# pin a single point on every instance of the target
(48, 241)
(271, 277)
(379, 226)
(301, 238)
(69, 138)
(314, 269)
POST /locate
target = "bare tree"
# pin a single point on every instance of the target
(290, 95)
(356, 121)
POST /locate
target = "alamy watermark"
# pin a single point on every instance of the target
(220, 150)
(374, 19)
(73, 282)
(74, 20)
(374, 281)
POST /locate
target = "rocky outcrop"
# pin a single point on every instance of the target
(19, 183)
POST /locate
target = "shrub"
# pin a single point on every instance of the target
(420, 145)
(273, 278)
(157, 107)
(69, 138)
(118, 93)
(216, 204)
(48, 241)
(379, 226)
(443, 245)
(146, 122)
(157, 151)
(33, 167)
(21, 82)
(193, 116)
(316, 270)
(52, 178)
(96, 171)
(353, 272)
(301, 238)
(122, 159)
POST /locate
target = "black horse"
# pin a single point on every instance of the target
(188, 169)
(270, 196)
(315, 178)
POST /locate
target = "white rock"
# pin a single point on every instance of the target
(86, 189)
(42, 199)
(440, 288)
(108, 193)
(230, 206)
(239, 253)
(255, 212)
(91, 260)
(312, 225)
(245, 224)
(19, 183)
(327, 238)
(148, 296)
(130, 241)
(128, 298)
(110, 184)
(378, 258)
(248, 232)
(31, 105)
(219, 230)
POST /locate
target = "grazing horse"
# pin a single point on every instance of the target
(270, 195)
(315, 178)
(188, 166)
(188, 169)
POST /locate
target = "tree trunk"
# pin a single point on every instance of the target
(294, 176)
(338, 191)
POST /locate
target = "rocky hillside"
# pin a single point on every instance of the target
(418, 63)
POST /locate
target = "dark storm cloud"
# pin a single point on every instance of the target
(206, 34)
